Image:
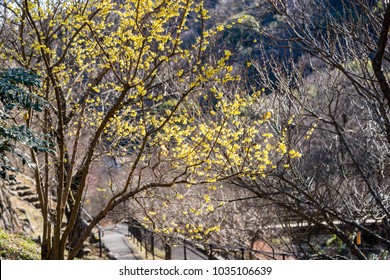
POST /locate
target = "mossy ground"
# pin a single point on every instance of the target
(17, 247)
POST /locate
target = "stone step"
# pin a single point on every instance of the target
(14, 183)
(12, 192)
(31, 199)
(22, 188)
(13, 187)
(25, 193)
(37, 205)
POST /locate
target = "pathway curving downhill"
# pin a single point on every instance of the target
(115, 241)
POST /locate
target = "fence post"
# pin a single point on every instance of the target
(185, 250)
(168, 252)
(211, 252)
(152, 244)
(146, 246)
(100, 243)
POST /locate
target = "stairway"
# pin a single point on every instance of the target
(19, 206)
(25, 192)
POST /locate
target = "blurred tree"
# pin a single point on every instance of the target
(126, 110)
(341, 185)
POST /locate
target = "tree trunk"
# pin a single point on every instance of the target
(80, 225)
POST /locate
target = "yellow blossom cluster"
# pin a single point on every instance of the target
(118, 75)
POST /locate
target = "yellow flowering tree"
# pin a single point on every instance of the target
(121, 85)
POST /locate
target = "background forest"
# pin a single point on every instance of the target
(251, 124)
